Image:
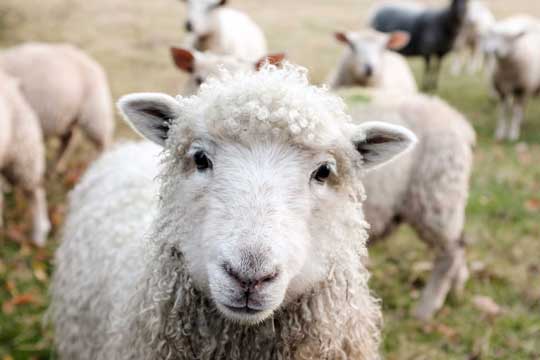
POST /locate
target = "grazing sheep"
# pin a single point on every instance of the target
(432, 32)
(427, 188)
(241, 255)
(516, 77)
(367, 62)
(219, 29)
(202, 66)
(66, 89)
(22, 154)
(469, 45)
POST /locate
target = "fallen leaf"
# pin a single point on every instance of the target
(532, 205)
(39, 271)
(487, 305)
(8, 307)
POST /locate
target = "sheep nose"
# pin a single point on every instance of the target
(369, 70)
(189, 26)
(251, 283)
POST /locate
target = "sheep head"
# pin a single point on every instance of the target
(368, 47)
(203, 65)
(261, 190)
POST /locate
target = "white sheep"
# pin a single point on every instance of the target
(253, 245)
(469, 45)
(368, 62)
(66, 89)
(200, 66)
(516, 76)
(214, 27)
(427, 188)
(22, 154)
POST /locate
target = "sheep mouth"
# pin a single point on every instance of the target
(245, 310)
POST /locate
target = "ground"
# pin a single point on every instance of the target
(131, 39)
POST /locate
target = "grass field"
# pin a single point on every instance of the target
(131, 38)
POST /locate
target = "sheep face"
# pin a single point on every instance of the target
(367, 50)
(199, 15)
(500, 43)
(254, 207)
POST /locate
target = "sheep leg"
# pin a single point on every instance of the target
(40, 219)
(446, 266)
(458, 63)
(517, 117)
(66, 147)
(504, 111)
(477, 59)
(436, 72)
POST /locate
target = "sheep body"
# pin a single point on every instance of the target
(146, 295)
(65, 87)
(516, 76)
(22, 154)
(427, 188)
(227, 32)
(432, 32)
(387, 70)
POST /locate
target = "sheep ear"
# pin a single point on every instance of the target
(150, 114)
(342, 37)
(272, 59)
(380, 142)
(183, 59)
(398, 40)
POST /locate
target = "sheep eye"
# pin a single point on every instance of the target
(322, 173)
(199, 80)
(201, 161)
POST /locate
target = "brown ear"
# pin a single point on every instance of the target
(398, 40)
(183, 59)
(342, 37)
(272, 59)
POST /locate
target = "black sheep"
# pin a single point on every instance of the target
(432, 31)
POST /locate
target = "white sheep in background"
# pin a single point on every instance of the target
(469, 45)
(253, 248)
(368, 62)
(214, 27)
(427, 188)
(22, 154)
(202, 66)
(516, 76)
(66, 89)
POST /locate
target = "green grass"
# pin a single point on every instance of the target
(503, 215)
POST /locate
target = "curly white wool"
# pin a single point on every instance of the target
(284, 106)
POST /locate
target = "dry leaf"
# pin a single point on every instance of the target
(532, 205)
(487, 305)
(39, 271)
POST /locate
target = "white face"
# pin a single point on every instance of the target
(255, 217)
(368, 48)
(368, 51)
(199, 13)
(500, 44)
(255, 203)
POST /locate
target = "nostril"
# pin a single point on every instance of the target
(189, 26)
(230, 271)
(369, 70)
(264, 280)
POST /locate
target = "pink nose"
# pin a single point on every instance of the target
(250, 283)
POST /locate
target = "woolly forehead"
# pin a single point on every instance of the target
(272, 104)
